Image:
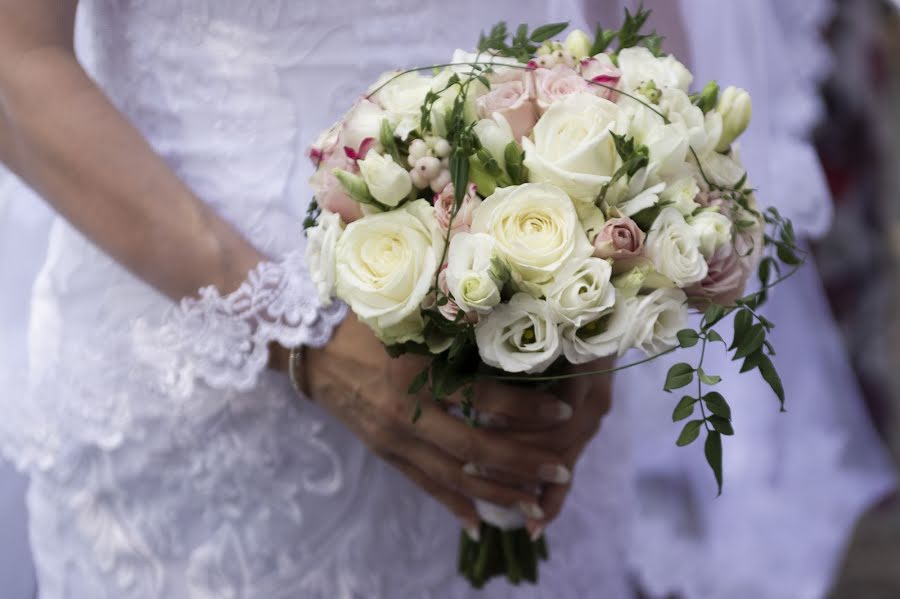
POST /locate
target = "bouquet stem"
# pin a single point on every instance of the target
(509, 553)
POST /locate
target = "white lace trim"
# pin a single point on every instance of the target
(223, 341)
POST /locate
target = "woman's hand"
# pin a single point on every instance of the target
(355, 379)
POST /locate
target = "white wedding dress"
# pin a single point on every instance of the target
(182, 469)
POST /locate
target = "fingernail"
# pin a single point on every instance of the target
(473, 531)
(536, 532)
(554, 473)
(472, 469)
(558, 410)
(531, 510)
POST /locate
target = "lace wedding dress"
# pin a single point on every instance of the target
(164, 460)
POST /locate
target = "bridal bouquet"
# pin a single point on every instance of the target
(537, 204)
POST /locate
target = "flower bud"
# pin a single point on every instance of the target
(388, 182)
(736, 109)
(578, 43)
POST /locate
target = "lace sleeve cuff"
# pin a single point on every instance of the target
(223, 341)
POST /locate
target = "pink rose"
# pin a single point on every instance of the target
(619, 238)
(329, 192)
(555, 84)
(600, 69)
(512, 95)
(443, 209)
(730, 268)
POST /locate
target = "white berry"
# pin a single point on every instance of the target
(441, 148)
(417, 149)
(429, 166)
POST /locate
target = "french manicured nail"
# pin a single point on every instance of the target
(473, 531)
(554, 473)
(536, 532)
(531, 510)
(557, 410)
(472, 469)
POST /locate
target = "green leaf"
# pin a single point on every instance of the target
(752, 342)
(417, 383)
(752, 361)
(770, 375)
(717, 404)
(713, 337)
(721, 424)
(688, 338)
(387, 139)
(684, 408)
(713, 451)
(786, 254)
(459, 175)
(769, 349)
(742, 323)
(680, 375)
(713, 314)
(708, 379)
(689, 433)
(545, 32)
(417, 413)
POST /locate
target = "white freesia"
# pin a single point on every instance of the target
(681, 195)
(674, 248)
(645, 199)
(735, 109)
(598, 338)
(388, 182)
(402, 98)
(582, 292)
(713, 230)
(578, 43)
(519, 336)
(655, 320)
(572, 146)
(703, 130)
(639, 65)
(495, 134)
(386, 265)
(321, 250)
(723, 170)
(537, 232)
(472, 276)
(668, 144)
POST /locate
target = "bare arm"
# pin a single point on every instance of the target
(62, 136)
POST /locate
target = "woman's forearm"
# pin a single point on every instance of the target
(62, 136)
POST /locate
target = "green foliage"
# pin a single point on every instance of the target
(684, 409)
(680, 375)
(688, 338)
(522, 45)
(313, 211)
(712, 449)
(689, 433)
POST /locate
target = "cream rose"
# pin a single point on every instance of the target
(519, 336)
(582, 292)
(552, 85)
(674, 248)
(386, 265)
(537, 232)
(655, 320)
(388, 182)
(572, 146)
(472, 276)
(402, 99)
(321, 249)
(597, 338)
(713, 229)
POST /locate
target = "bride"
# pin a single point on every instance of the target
(173, 155)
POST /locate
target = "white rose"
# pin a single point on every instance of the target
(582, 292)
(572, 146)
(702, 130)
(386, 264)
(681, 195)
(668, 144)
(536, 230)
(519, 336)
(713, 230)
(321, 249)
(361, 123)
(674, 248)
(655, 321)
(402, 99)
(578, 43)
(495, 134)
(645, 199)
(722, 170)
(471, 273)
(638, 66)
(735, 109)
(597, 338)
(388, 182)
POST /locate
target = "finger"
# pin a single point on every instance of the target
(522, 407)
(490, 449)
(458, 504)
(451, 474)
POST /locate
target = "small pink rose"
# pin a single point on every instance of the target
(443, 209)
(619, 238)
(557, 83)
(730, 268)
(450, 310)
(330, 193)
(600, 69)
(512, 95)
